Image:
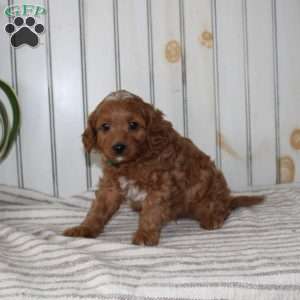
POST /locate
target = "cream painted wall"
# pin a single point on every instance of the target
(226, 73)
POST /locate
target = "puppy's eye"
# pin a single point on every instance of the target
(105, 127)
(133, 125)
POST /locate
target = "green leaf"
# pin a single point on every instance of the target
(5, 124)
(9, 134)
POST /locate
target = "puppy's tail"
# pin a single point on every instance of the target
(237, 201)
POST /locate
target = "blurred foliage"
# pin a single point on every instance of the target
(9, 128)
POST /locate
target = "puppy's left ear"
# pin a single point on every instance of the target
(89, 135)
(159, 131)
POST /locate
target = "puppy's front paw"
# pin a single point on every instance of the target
(80, 231)
(149, 238)
(136, 205)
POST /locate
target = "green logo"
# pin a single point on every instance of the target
(23, 28)
(24, 10)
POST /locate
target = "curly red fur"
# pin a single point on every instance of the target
(174, 177)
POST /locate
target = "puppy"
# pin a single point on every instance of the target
(145, 160)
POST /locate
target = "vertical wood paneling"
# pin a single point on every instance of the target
(261, 91)
(100, 60)
(8, 168)
(199, 73)
(216, 79)
(33, 96)
(134, 47)
(14, 83)
(213, 67)
(276, 87)
(82, 20)
(232, 92)
(288, 26)
(167, 75)
(117, 43)
(182, 24)
(67, 93)
(150, 51)
(51, 104)
(247, 93)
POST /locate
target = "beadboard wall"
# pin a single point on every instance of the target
(226, 73)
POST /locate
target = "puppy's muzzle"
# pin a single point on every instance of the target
(119, 148)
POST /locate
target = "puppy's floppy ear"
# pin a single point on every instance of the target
(159, 131)
(89, 135)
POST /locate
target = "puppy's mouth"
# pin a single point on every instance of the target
(119, 158)
(125, 156)
(115, 161)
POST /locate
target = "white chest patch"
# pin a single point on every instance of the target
(131, 191)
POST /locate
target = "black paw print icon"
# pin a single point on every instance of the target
(24, 32)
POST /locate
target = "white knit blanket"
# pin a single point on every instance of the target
(256, 255)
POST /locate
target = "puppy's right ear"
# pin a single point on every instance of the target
(89, 135)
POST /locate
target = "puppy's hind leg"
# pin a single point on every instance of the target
(210, 214)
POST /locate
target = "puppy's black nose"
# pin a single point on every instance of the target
(119, 148)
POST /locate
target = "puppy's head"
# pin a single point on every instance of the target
(121, 127)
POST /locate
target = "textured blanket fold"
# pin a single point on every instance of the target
(256, 255)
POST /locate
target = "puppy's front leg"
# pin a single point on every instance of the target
(154, 214)
(107, 202)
